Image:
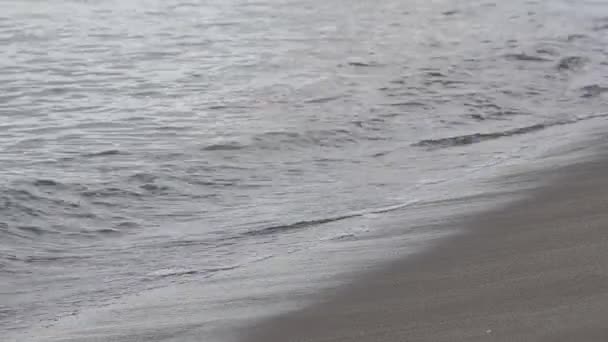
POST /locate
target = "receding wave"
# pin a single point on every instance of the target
(469, 139)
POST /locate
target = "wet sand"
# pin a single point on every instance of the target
(536, 270)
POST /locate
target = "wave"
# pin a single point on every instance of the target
(328, 138)
(105, 153)
(317, 222)
(408, 104)
(298, 225)
(450, 12)
(593, 90)
(45, 183)
(230, 146)
(33, 230)
(38, 209)
(572, 63)
(178, 272)
(469, 139)
(17, 204)
(525, 57)
(276, 140)
(110, 192)
(43, 259)
(576, 36)
(363, 64)
(172, 272)
(324, 99)
(103, 231)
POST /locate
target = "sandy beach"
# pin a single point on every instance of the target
(536, 270)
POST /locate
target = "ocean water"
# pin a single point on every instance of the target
(170, 170)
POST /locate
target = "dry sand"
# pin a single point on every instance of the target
(536, 270)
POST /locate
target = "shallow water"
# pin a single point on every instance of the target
(152, 144)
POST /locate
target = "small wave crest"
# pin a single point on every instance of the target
(523, 57)
(45, 183)
(105, 153)
(475, 138)
(323, 99)
(229, 146)
(275, 140)
(298, 225)
(316, 222)
(33, 230)
(103, 231)
(181, 272)
(47, 211)
(20, 204)
(171, 272)
(363, 64)
(593, 90)
(572, 63)
(108, 192)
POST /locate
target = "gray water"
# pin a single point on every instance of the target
(149, 145)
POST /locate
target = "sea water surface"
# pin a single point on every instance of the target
(171, 169)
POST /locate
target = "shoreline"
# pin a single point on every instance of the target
(536, 269)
